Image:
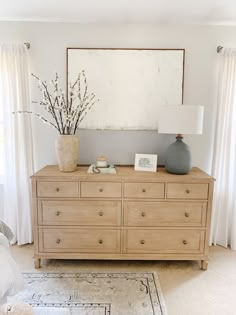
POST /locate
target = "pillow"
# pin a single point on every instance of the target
(6, 231)
(4, 241)
(11, 280)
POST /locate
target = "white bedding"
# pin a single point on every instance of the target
(11, 280)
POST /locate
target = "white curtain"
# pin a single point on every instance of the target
(223, 231)
(18, 164)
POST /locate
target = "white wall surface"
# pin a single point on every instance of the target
(48, 55)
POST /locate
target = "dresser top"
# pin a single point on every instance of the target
(123, 173)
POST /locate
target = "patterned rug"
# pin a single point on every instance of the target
(93, 294)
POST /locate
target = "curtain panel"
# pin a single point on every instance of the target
(18, 153)
(223, 230)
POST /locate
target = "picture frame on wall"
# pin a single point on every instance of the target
(131, 84)
(145, 162)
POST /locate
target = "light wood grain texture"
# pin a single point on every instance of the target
(37, 262)
(81, 212)
(187, 191)
(126, 173)
(204, 264)
(122, 256)
(35, 214)
(100, 189)
(79, 240)
(130, 215)
(208, 218)
(144, 190)
(57, 189)
(165, 241)
(164, 213)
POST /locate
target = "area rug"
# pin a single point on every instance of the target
(93, 294)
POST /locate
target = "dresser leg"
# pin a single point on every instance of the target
(37, 263)
(204, 264)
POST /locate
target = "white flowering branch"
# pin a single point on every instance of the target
(67, 115)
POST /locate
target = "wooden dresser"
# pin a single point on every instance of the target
(130, 215)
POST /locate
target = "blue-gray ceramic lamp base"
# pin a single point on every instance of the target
(178, 157)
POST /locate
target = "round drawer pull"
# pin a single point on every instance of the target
(143, 214)
(187, 191)
(101, 213)
(100, 241)
(142, 242)
(101, 189)
(143, 190)
(57, 189)
(186, 214)
(58, 213)
(185, 242)
(58, 241)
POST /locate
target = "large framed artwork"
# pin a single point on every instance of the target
(131, 84)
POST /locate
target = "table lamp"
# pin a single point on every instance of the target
(180, 119)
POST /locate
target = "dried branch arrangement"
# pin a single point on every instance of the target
(67, 115)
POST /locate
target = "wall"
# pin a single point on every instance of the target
(48, 55)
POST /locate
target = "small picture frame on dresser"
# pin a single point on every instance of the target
(145, 162)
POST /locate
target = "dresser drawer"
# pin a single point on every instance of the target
(164, 241)
(144, 190)
(101, 189)
(164, 213)
(56, 212)
(187, 191)
(57, 189)
(83, 240)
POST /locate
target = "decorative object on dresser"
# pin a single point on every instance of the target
(93, 169)
(180, 119)
(135, 293)
(145, 162)
(101, 161)
(101, 166)
(128, 215)
(67, 151)
(67, 115)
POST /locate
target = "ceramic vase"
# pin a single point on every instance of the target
(178, 157)
(67, 151)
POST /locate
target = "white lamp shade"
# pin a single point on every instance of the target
(180, 119)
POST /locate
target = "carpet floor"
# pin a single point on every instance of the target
(186, 288)
(133, 293)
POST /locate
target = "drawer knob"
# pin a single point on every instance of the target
(101, 189)
(142, 242)
(143, 190)
(187, 191)
(58, 241)
(58, 213)
(143, 214)
(100, 241)
(57, 189)
(185, 242)
(101, 213)
(186, 214)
